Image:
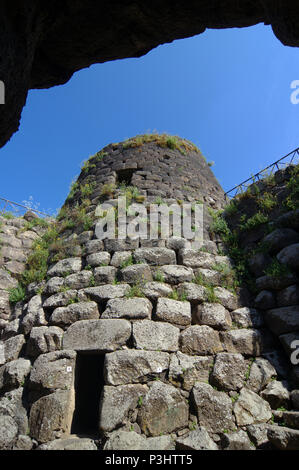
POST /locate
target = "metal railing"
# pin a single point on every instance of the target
(16, 209)
(291, 158)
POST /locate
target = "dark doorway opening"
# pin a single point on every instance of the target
(89, 382)
(125, 176)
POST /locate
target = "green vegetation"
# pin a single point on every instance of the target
(163, 140)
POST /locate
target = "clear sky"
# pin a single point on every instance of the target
(228, 91)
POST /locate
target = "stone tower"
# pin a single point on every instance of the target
(127, 344)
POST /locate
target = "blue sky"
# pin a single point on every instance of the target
(228, 91)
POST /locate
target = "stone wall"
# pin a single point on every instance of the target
(186, 358)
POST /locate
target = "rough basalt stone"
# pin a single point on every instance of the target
(53, 371)
(197, 440)
(200, 340)
(229, 371)
(163, 410)
(65, 316)
(66, 266)
(265, 300)
(97, 335)
(261, 373)
(155, 336)
(174, 274)
(214, 408)
(247, 318)
(98, 259)
(236, 441)
(78, 280)
(71, 443)
(155, 256)
(43, 340)
(136, 273)
(132, 309)
(62, 299)
(247, 342)
(186, 370)
(283, 438)
(213, 315)
(174, 311)
(154, 290)
(50, 416)
(288, 296)
(14, 373)
(283, 320)
(193, 293)
(250, 408)
(104, 293)
(116, 402)
(280, 238)
(277, 394)
(133, 366)
(289, 256)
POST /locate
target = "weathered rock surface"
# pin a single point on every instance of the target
(133, 309)
(50, 417)
(84, 43)
(213, 315)
(186, 370)
(214, 409)
(64, 316)
(155, 336)
(116, 402)
(283, 320)
(70, 443)
(174, 311)
(284, 438)
(197, 440)
(53, 371)
(200, 340)
(97, 335)
(236, 441)
(250, 408)
(229, 371)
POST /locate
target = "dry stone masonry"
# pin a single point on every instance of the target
(150, 344)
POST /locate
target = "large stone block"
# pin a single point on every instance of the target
(250, 408)
(155, 256)
(185, 370)
(64, 316)
(65, 266)
(97, 335)
(133, 366)
(229, 371)
(53, 371)
(213, 315)
(247, 342)
(283, 320)
(155, 336)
